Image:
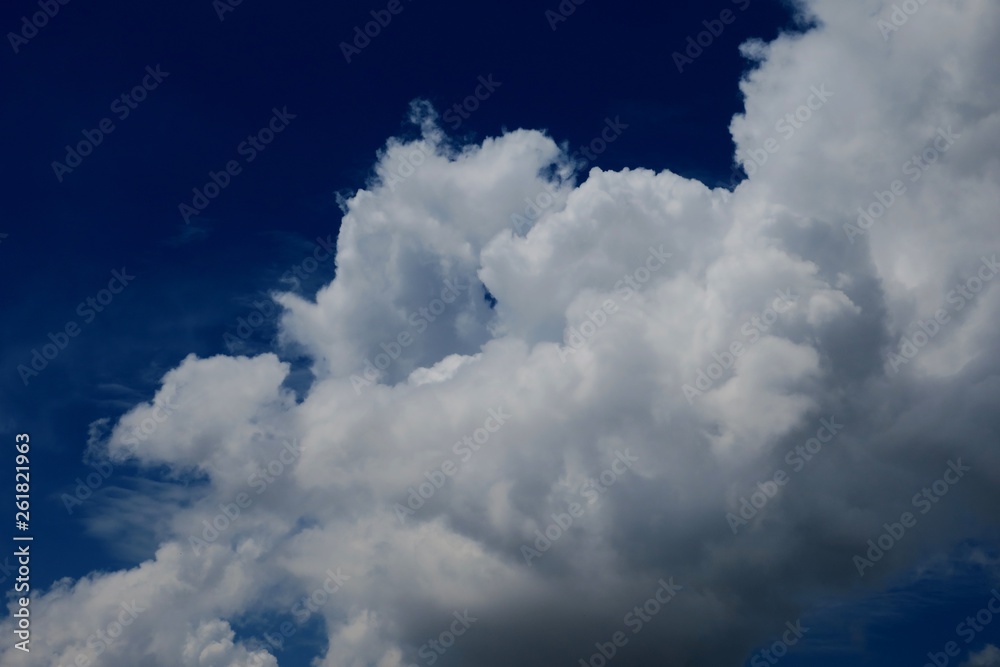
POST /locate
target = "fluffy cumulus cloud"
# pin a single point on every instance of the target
(688, 410)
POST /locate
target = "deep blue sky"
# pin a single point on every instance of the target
(119, 208)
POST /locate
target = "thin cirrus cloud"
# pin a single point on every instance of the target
(295, 487)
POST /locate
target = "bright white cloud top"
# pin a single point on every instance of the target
(527, 475)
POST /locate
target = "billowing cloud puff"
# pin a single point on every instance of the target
(548, 411)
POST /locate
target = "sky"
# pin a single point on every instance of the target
(395, 333)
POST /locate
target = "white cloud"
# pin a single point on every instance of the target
(449, 220)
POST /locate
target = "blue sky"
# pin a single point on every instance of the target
(102, 263)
